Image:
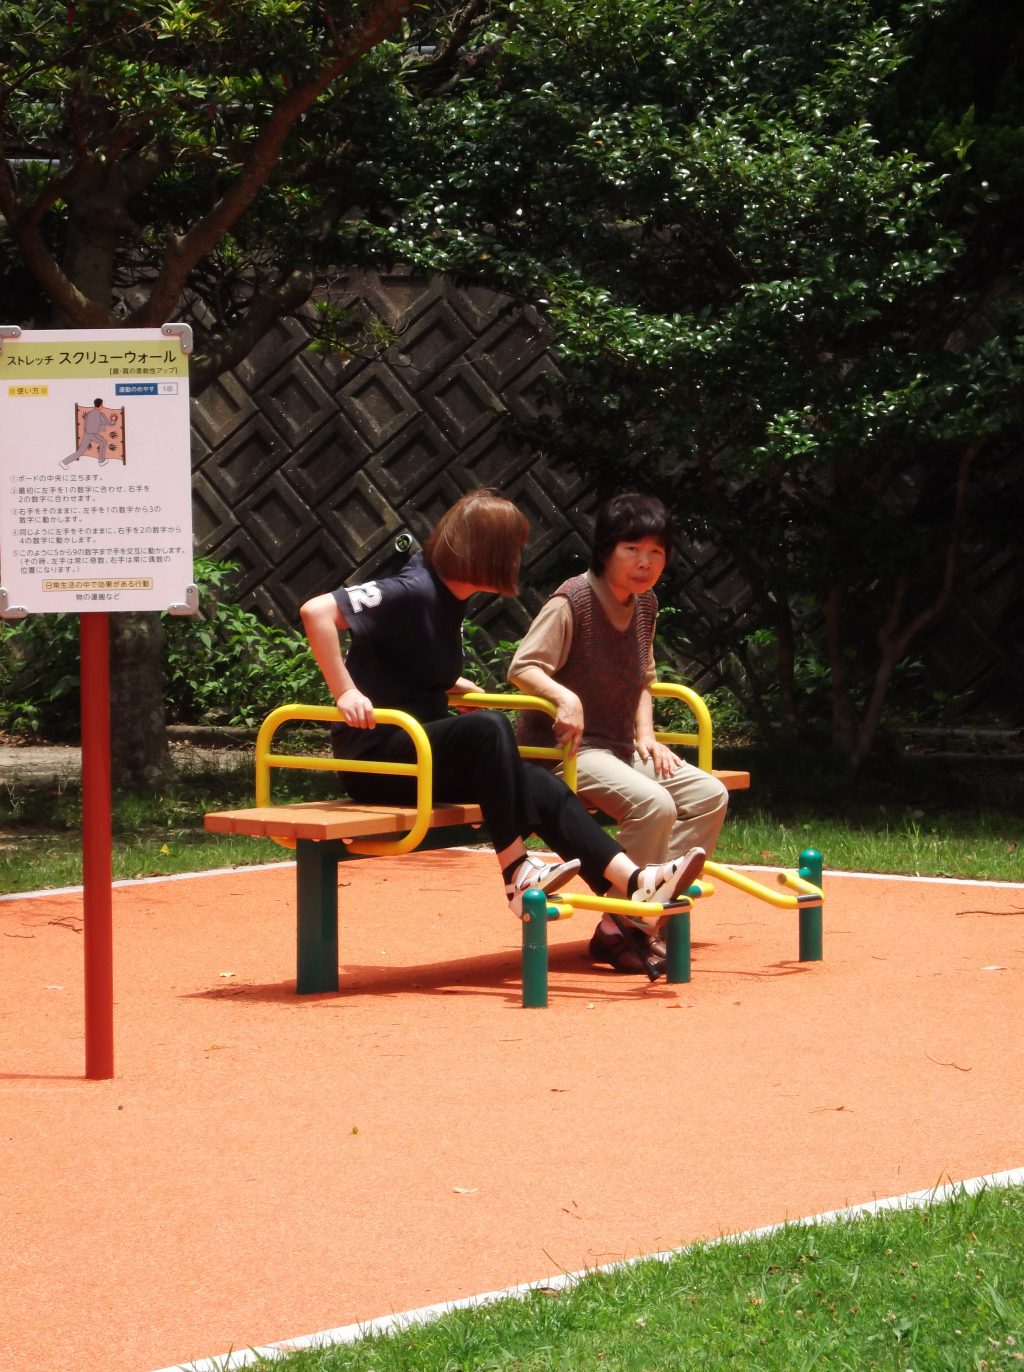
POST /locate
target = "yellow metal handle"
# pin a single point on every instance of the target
(616, 905)
(702, 739)
(507, 700)
(805, 889)
(422, 769)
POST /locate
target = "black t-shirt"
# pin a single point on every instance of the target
(406, 645)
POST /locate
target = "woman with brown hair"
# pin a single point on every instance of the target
(405, 653)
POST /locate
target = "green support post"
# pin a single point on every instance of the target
(677, 944)
(810, 868)
(316, 888)
(535, 950)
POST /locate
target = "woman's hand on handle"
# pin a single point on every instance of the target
(568, 722)
(567, 725)
(461, 687)
(356, 708)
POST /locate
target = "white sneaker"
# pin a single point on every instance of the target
(532, 875)
(661, 882)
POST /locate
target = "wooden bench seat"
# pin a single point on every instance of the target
(333, 819)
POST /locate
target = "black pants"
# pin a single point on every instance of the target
(476, 761)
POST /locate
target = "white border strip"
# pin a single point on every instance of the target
(148, 881)
(741, 866)
(392, 1324)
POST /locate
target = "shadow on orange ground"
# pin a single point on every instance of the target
(263, 1166)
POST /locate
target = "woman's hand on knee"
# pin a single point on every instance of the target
(663, 760)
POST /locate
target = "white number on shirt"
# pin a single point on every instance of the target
(364, 597)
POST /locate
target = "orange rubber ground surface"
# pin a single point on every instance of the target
(265, 1166)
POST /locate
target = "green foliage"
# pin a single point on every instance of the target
(229, 666)
(730, 724)
(224, 665)
(188, 161)
(486, 663)
(807, 337)
(201, 162)
(39, 676)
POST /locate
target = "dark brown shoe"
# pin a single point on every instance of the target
(616, 952)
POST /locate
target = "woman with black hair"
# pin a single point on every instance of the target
(590, 653)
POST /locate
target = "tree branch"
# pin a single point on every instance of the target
(433, 72)
(185, 251)
(894, 642)
(66, 298)
(843, 713)
(24, 222)
(931, 612)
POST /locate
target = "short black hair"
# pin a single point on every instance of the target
(626, 517)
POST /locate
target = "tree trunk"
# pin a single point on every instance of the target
(139, 756)
(844, 715)
(786, 672)
(893, 641)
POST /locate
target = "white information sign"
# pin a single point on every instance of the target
(95, 471)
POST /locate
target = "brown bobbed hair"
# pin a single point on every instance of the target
(479, 541)
(627, 517)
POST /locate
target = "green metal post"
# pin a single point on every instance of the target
(810, 869)
(316, 891)
(535, 950)
(677, 944)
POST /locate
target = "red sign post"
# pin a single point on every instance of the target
(96, 861)
(95, 518)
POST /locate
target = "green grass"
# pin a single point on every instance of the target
(913, 1290)
(984, 845)
(40, 832)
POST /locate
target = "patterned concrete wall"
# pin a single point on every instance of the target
(308, 468)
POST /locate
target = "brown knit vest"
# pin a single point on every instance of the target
(606, 668)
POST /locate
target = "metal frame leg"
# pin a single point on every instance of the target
(810, 868)
(535, 950)
(316, 895)
(677, 945)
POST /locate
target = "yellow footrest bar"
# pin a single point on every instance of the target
(780, 899)
(807, 892)
(615, 905)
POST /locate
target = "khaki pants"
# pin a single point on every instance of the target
(658, 817)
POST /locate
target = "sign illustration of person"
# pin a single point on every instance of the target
(99, 433)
